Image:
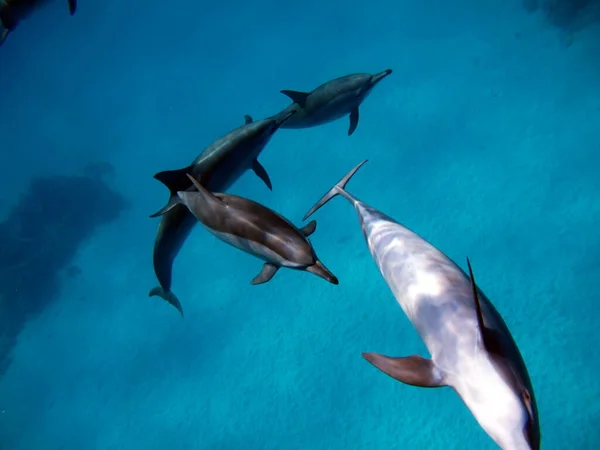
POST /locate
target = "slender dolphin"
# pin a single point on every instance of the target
(14, 11)
(256, 230)
(332, 100)
(471, 348)
(217, 168)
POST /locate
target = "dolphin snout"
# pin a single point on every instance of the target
(380, 76)
(321, 271)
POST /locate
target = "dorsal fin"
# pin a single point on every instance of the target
(489, 337)
(205, 192)
(297, 96)
(248, 119)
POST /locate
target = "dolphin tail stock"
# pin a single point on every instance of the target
(174, 180)
(72, 6)
(283, 116)
(167, 296)
(338, 189)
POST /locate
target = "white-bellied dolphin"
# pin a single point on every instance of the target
(332, 100)
(217, 168)
(14, 11)
(256, 230)
(471, 348)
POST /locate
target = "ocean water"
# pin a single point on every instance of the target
(485, 140)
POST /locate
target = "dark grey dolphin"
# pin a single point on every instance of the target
(332, 100)
(471, 348)
(14, 11)
(257, 230)
(217, 168)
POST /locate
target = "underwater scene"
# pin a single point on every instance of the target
(312, 225)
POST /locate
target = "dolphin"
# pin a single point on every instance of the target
(332, 100)
(256, 230)
(217, 168)
(471, 348)
(14, 11)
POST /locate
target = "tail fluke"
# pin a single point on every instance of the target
(167, 296)
(338, 189)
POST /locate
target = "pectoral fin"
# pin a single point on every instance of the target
(265, 275)
(412, 370)
(353, 120)
(309, 228)
(261, 173)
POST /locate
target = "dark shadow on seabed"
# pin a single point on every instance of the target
(568, 15)
(40, 237)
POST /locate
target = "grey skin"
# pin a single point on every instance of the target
(471, 348)
(332, 100)
(217, 168)
(14, 11)
(256, 230)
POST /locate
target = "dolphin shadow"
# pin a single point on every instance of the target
(39, 238)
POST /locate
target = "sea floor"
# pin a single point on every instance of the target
(484, 140)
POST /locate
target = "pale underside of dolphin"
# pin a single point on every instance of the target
(471, 348)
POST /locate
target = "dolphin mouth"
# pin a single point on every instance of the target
(380, 76)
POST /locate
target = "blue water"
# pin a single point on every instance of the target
(484, 140)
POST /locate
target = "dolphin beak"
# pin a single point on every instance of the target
(380, 76)
(321, 271)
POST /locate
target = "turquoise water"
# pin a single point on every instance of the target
(484, 141)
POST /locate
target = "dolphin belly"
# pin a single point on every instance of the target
(433, 293)
(315, 115)
(254, 248)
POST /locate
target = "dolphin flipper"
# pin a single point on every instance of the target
(261, 173)
(297, 97)
(309, 228)
(72, 6)
(167, 296)
(353, 120)
(412, 370)
(267, 272)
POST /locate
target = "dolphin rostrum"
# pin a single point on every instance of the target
(332, 100)
(471, 348)
(217, 168)
(14, 11)
(256, 230)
